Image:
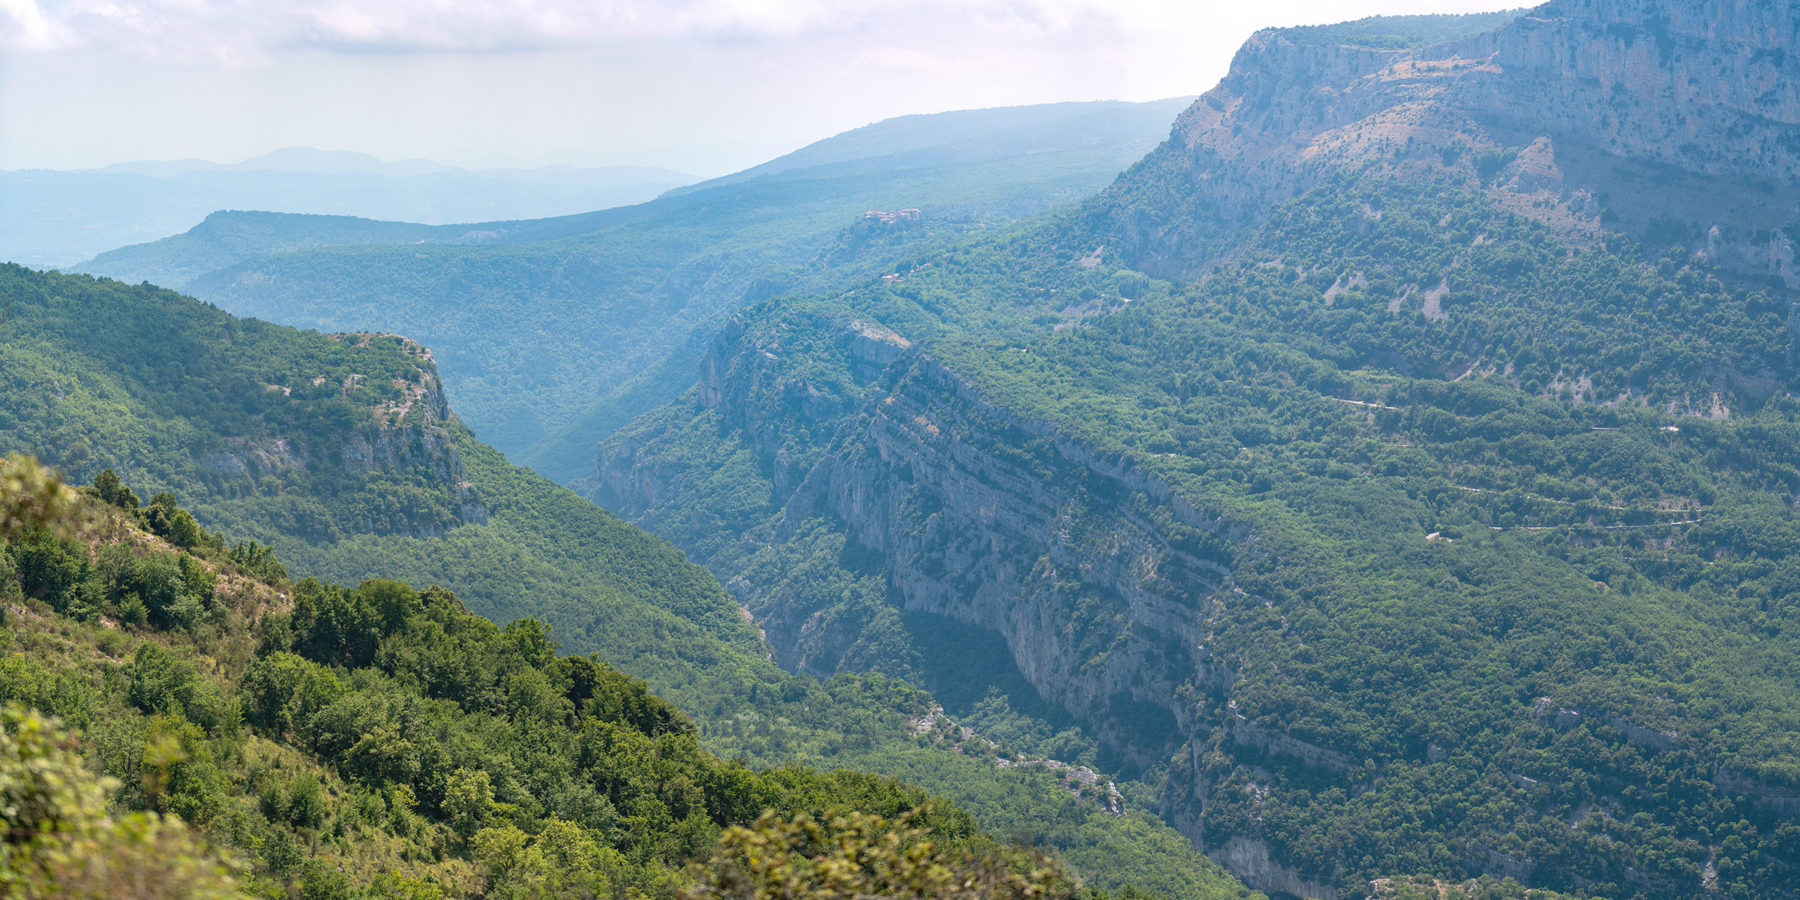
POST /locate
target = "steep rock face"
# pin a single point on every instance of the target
(1102, 580)
(1092, 571)
(1656, 111)
(1709, 86)
(406, 438)
(412, 433)
(1250, 860)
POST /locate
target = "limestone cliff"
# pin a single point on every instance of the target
(1093, 572)
(1099, 576)
(405, 438)
(1649, 112)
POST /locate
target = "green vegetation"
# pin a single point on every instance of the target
(1400, 32)
(374, 742)
(509, 544)
(1505, 568)
(865, 856)
(540, 326)
(1484, 888)
(61, 842)
(175, 393)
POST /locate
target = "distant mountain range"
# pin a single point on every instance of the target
(58, 218)
(287, 159)
(552, 332)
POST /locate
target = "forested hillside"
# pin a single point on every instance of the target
(337, 452)
(551, 333)
(256, 736)
(1386, 486)
(1391, 471)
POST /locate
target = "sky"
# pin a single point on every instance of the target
(701, 86)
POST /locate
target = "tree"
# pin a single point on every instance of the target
(56, 839)
(114, 491)
(31, 497)
(283, 691)
(862, 856)
(468, 799)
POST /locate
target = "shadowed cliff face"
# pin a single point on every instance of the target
(1094, 572)
(1104, 583)
(1672, 113)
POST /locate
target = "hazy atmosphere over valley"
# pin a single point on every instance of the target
(834, 450)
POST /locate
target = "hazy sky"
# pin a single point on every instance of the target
(706, 86)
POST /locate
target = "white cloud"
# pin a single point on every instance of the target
(25, 26)
(902, 59)
(690, 83)
(216, 31)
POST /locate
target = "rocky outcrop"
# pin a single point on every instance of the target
(1082, 782)
(1099, 576)
(1664, 112)
(1092, 570)
(1250, 860)
(405, 438)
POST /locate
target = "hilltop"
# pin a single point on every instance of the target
(56, 217)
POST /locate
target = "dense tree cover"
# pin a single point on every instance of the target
(1484, 888)
(1509, 558)
(375, 742)
(602, 585)
(170, 392)
(1601, 557)
(60, 840)
(861, 856)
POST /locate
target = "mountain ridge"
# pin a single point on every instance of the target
(1457, 107)
(628, 294)
(1476, 410)
(62, 217)
(913, 138)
